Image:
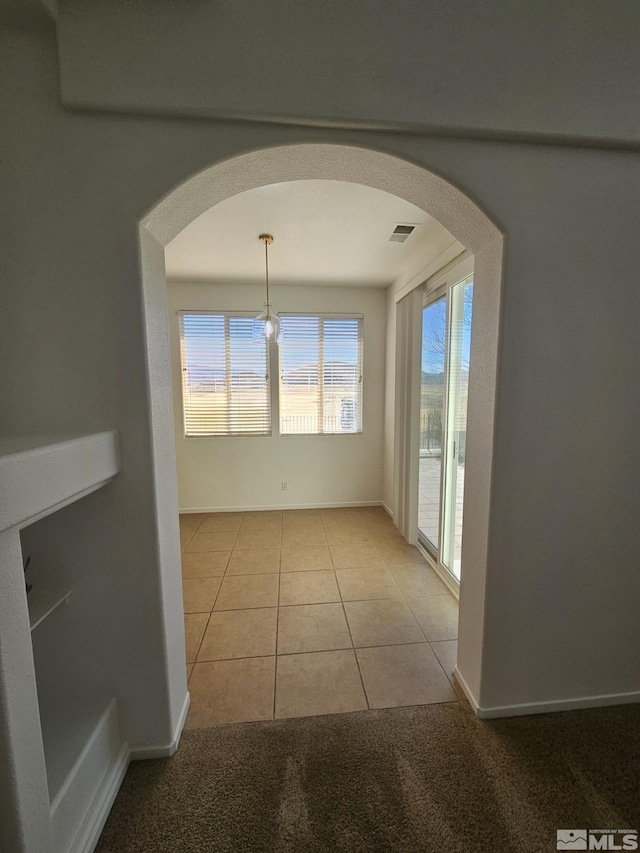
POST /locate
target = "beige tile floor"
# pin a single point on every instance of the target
(305, 612)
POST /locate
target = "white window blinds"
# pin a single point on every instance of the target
(225, 376)
(320, 374)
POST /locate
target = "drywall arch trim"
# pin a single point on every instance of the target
(445, 202)
(460, 215)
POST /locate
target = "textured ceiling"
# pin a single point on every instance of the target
(325, 232)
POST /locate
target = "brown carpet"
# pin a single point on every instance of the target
(427, 778)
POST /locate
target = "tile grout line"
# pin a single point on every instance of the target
(324, 651)
(204, 633)
(193, 663)
(190, 538)
(401, 595)
(407, 604)
(275, 663)
(344, 613)
(415, 619)
(355, 654)
(448, 677)
(195, 660)
(284, 654)
(410, 609)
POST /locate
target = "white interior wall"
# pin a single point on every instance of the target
(246, 473)
(562, 599)
(519, 70)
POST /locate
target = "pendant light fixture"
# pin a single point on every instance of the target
(267, 325)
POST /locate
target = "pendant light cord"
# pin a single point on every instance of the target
(266, 268)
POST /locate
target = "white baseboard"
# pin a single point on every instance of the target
(187, 510)
(552, 705)
(89, 833)
(387, 509)
(465, 689)
(143, 753)
(548, 707)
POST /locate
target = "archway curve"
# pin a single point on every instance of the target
(459, 215)
(414, 183)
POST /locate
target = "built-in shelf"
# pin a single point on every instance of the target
(67, 727)
(43, 601)
(58, 737)
(83, 750)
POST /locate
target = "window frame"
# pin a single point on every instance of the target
(361, 382)
(226, 315)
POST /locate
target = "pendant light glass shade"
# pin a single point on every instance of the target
(266, 326)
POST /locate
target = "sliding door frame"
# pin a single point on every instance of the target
(434, 288)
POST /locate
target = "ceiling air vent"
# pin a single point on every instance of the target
(401, 232)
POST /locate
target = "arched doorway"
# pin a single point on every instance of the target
(460, 216)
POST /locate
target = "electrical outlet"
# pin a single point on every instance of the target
(285, 485)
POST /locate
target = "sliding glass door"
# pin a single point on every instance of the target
(446, 345)
(432, 388)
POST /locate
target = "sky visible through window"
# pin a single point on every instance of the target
(434, 319)
(204, 345)
(202, 331)
(300, 340)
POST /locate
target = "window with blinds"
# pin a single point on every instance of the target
(225, 376)
(320, 374)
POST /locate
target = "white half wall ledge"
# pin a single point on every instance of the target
(40, 474)
(414, 182)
